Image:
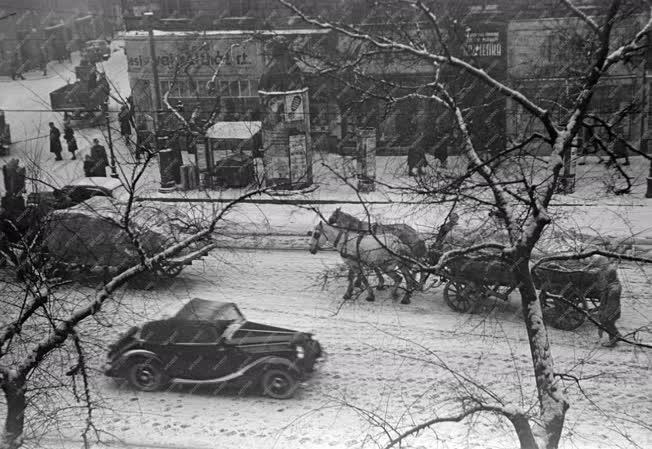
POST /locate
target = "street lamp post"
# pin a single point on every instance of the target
(152, 57)
(114, 173)
(648, 194)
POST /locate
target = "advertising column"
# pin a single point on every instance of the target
(287, 149)
(366, 159)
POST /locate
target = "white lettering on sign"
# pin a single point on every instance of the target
(484, 44)
(229, 54)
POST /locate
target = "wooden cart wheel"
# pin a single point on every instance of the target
(567, 314)
(459, 296)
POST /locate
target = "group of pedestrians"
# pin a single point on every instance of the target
(95, 163)
(18, 66)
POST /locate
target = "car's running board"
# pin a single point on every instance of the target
(239, 373)
(209, 381)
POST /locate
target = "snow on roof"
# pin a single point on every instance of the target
(284, 92)
(233, 130)
(284, 32)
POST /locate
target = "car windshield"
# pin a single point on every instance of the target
(205, 310)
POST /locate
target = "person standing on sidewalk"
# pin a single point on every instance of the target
(43, 61)
(124, 117)
(69, 136)
(55, 143)
(16, 72)
(99, 158)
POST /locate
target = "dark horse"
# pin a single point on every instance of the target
(406, 234)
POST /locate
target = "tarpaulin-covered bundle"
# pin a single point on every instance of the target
(93, 233)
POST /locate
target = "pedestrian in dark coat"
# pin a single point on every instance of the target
(43, 61)
(99, 158)
(16, 71)
(69, 136)
(416, 158)
(89, 166)
(441, 152)
(124, 117)
(55, 143)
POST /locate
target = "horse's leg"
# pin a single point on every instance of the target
(397, 281)
(370, 291)
(381, 280)
(358, 281)
(410, 284)
(423, 279)
(349, 288)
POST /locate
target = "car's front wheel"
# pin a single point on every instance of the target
(146, 374)
(279, 383)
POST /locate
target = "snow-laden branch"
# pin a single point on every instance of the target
(632, 46)
(447, 256)
(595, 252)
(502, 201)
(581, 15)
(386, 43)
(517, 417)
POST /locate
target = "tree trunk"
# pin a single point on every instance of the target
(14, 391)
(552, 403)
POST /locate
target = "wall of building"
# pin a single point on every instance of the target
(44, 28)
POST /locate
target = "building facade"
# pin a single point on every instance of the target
(37, 30)
(526, 44)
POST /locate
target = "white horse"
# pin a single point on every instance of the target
(385, 252)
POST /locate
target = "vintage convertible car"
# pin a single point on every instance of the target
(209, 342)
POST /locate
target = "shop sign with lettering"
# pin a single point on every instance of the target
(206, 53)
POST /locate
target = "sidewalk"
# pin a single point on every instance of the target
(589, 211)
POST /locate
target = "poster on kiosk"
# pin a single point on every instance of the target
(287, 149)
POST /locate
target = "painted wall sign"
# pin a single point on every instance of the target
(205, 52)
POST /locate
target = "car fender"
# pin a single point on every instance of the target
(273, 361)
(124, 358)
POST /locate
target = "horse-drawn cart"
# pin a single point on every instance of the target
(472, 278)
(91, 236)
(569, 289)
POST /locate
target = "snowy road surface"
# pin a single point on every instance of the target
(388, 365)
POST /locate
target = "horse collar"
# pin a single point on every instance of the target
(337, 239)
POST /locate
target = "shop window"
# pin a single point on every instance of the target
(234, 90)
(254, 87)
(239, 8)
(245, 90)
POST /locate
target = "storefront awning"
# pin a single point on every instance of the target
(233, 130)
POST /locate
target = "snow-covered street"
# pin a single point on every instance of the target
(387, 363)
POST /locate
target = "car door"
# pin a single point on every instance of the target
(199, 352)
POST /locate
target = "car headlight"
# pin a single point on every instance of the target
(301, 353)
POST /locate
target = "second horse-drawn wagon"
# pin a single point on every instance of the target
(569, 290)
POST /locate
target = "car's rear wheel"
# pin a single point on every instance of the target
(146, 374)
(279, 383)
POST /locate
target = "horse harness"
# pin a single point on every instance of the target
(343, 252)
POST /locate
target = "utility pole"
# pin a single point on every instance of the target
(154, 63)
(114, 173)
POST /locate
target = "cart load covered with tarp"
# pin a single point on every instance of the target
(92, 234)
(573, 289)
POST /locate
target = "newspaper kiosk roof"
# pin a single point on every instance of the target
(233, 130)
